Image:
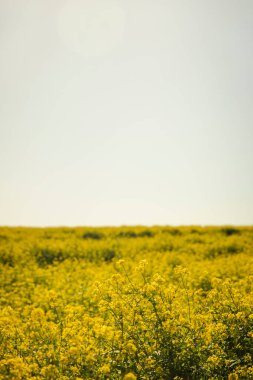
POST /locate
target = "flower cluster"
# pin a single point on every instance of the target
(126, 303)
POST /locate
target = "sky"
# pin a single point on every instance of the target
(126, 112)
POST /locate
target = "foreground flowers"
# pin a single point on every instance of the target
(123, 303)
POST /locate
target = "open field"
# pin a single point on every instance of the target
(126, 303)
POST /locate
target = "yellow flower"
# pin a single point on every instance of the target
(105, 369)
(233, 376)
(73, 351)
(130, 376)
(50, 372)
(130, 347)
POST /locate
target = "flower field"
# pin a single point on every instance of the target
(126, 303)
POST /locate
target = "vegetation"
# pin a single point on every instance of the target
(126, 303)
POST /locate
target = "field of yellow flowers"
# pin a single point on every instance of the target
(126, 303)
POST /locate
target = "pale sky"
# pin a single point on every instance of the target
(126, 112)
